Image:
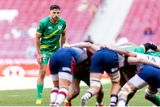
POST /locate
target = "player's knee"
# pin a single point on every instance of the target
(95, 82)
(125, 90)
(115, 78)
(42, 73)
(66, 76)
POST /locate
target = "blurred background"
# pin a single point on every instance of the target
(102, 21)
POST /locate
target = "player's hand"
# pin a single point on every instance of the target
(39, 58)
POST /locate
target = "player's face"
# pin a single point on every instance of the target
(55, 13)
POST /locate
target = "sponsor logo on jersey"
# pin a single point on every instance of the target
(60, 27)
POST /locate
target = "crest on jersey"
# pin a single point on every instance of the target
(49, 27)
(59, 27)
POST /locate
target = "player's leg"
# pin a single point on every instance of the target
(95, 85)
(134, 83)
(99, 97)
(40, 83)
(151, 95)
(115, 79)
(41, 76)
(74, 90)
(85, 77)
(96, 71)
(126, 73)
(65, 79)
(55, 89)
(54, 66)
(65, 76)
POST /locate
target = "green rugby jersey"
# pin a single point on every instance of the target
(137, 49)
(50, 34)
(141, 50)
(151, 55)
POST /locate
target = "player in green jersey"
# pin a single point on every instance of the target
(49, 33)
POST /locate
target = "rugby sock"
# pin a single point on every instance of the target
(53, 95)
(87, 95)
(61, 95)
(155, 100)
(113, 100)
(121, 103)
(152, 97)
(39, 91)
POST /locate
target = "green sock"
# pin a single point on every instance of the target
(157, 100)
(39, 91)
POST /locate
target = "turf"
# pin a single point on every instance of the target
(27, 98)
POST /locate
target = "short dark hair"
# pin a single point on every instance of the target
(54, 7)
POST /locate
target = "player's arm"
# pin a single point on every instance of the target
(128, 43)
(39, 32)
(39, 55)
(123, 51)
(91, 47)
(63, 38)
(135, 60)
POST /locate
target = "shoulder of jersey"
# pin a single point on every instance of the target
(44, 19)
(62, 20)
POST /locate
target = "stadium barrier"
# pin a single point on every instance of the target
(22, 68)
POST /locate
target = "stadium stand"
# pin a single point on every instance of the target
(24, 16)
(143, 14)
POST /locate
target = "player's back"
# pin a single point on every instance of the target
(79, 54)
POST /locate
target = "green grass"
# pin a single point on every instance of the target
(27, 98)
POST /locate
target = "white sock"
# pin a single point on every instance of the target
(113, 101)
(53, 95)
(61, 95)
(121, 103)
(87, 95)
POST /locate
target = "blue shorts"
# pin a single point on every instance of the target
(60, 60)
(151, 75)
(104, 60)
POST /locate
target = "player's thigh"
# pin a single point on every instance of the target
(115, 77)
(136, 82)
(65, 79)
(95, 75)
(46, 56)
(55, 80)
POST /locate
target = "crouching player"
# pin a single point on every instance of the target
(62, 70)
(148, 51)
(148, 74)
(61, 63)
